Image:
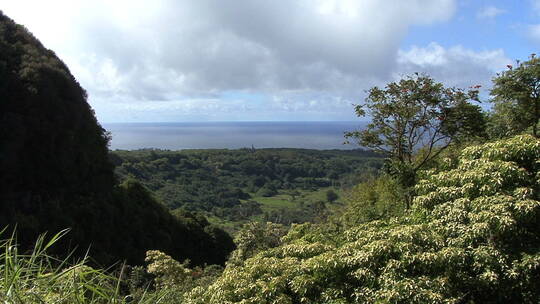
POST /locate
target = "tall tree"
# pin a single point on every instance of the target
(414, 120)
(516, 94)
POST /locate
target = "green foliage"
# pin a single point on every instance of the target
(255, 237)
(302, 212)
(38, 278)
(177, 278)
(233, 187)
(516, 94)
(472, 236)
(267, 191)
(243, 211)
(379, 198)
(56, 174)
(331, 196)
(414, 119)
(51, 145)
(168, 272)
(149, 225)
(219, 182)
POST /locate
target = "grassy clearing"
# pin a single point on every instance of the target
(229, 226)
(275, 202)
(283, 200)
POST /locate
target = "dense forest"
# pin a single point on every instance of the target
(452, 215)
(232, 184)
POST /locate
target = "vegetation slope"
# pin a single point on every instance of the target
(56, 173)
(473, 236)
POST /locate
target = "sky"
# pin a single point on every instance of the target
(259, 60)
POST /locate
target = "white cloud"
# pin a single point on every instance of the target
(165, 49)
(489, 12)
(455, 66)
(143, 60)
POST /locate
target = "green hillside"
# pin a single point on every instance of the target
(56, 174)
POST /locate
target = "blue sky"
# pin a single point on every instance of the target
(252, 60)
(484, 25)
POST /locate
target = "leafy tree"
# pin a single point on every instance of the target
(331, 196)
(375, 199)
(516, 94)
(414, 120)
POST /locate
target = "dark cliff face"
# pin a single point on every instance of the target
(55, 173)
(51, 145)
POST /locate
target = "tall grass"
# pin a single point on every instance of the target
(37, 277)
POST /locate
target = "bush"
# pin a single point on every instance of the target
(378, 198)
(331, 196)
(472, 236)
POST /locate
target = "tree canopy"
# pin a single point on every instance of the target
(416, 112)
(415, 119)
(516, 94)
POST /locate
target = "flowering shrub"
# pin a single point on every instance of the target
(473, 236)
(169, 273)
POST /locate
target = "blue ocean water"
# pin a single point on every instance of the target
(230, 135)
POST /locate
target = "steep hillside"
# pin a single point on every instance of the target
(55, 171)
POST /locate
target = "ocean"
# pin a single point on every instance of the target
(230, 135)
